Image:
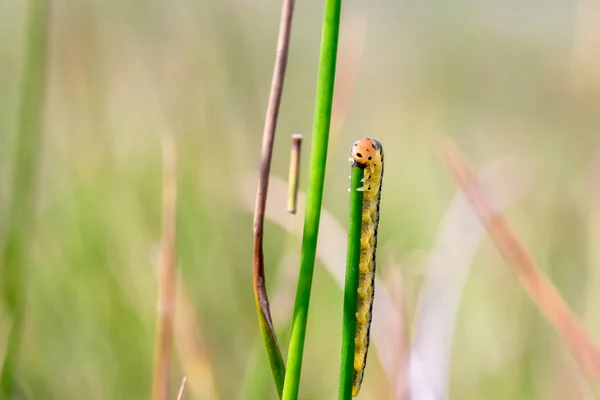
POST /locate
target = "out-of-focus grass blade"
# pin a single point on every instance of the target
(14, 259)
(166, 274)
(539, 287)
(191, 349)
(459, 237)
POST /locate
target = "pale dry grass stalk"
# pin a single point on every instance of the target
(538, 286)
(294, 173)
(396, 285)
(166, 274)
(181, 388)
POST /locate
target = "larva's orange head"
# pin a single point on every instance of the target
(363, 151)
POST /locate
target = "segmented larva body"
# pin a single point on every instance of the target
(368, 154)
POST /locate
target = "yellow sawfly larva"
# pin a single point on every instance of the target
(368, 154)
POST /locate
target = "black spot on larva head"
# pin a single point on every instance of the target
(358, 155)
(370, 158)
(373, 145)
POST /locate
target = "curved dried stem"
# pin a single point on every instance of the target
(258, 269)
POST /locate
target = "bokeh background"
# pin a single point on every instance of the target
(505, 79)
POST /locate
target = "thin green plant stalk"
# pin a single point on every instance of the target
(351, 286)
(14, 259)
(314, 198)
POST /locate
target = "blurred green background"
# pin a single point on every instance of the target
(504, 78)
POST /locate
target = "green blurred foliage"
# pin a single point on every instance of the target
(505, 79)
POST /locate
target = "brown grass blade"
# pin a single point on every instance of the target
(538, 286)
(166, 274)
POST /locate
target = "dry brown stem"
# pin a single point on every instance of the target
(258, 268)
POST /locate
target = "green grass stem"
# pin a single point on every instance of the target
(314, 198)
(351, 286)
(27, 140)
